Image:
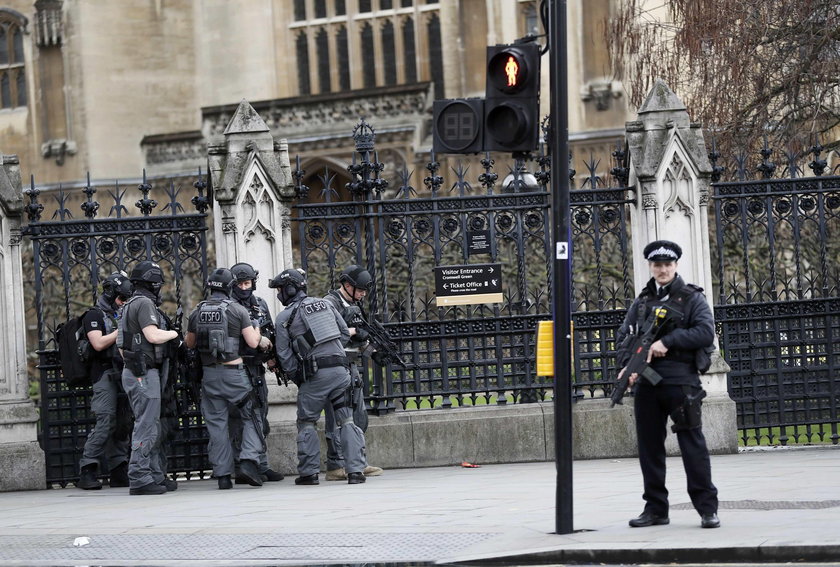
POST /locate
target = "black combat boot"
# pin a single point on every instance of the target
(225, 483)
(308, 480)
(248, 471)
(355, 478)
(119, 476)
(87, 478)
(269, 475)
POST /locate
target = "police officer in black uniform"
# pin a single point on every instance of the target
(140, 339)
(109, 440)
(245, 282)
(688, 329)
(355, 282)
(310, 346)
(214, 329)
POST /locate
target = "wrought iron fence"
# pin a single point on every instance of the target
(469, 354)
(71, 256)
(778, 302)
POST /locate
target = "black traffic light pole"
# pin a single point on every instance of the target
(561, 282)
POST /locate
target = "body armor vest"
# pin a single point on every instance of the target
(212, 331)
(319, 321)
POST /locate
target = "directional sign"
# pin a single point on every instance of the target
(471, 284)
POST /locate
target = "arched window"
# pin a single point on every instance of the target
(12, 72)
(322, 46)
(409, 51)
(343, 59)
(435, 55)
(369, 64)
(389, 53)
(302, 48)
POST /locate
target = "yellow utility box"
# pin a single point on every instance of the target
(545, 348)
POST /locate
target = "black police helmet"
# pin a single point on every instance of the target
(220, 280)
(356, 276)
(290, 282)
(117, 285)
(242, 272)
(147, 272)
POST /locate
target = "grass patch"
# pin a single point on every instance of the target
(819, 434)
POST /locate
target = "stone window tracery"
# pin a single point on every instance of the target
(12, 68)
(366, 44)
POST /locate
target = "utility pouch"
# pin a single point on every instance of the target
(135, 361)
(689, 414)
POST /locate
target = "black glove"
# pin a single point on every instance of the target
(380, 358)
(361, 334)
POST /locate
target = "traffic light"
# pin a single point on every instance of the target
(457, 126)
(512, 105)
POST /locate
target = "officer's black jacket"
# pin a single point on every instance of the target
(695, 330)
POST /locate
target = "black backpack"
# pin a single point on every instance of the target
(75, 352)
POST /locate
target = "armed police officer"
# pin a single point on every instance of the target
(109, 440)
(310, 346)
(673, 387)
(354, 282)
(245, 282)
(215, 329)
(140, 339)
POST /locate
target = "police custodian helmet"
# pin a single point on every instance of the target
(356, 276)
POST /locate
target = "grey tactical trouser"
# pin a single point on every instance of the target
(109, 437)
(327, 388)
(235, 424)
(335, 457)
(221, 387)
(144, 396)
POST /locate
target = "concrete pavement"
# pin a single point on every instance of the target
(778, 504)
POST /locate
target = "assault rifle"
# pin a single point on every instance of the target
(267, 330)
(639, 349)
(385, 350)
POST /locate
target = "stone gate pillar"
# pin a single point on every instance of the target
(253, 190)
(671, 172)
(22, 465)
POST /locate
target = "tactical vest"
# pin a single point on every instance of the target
(212, 331)
(319, 321)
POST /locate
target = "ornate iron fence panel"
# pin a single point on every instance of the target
(778, 305)
(466, 354)
(71, 256)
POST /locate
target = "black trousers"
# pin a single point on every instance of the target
(653, 404)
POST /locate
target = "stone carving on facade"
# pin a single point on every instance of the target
(678, 188)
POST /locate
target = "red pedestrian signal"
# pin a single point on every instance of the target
(512, 104)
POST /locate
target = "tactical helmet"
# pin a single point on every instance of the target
(117, 285)
(356, 276)
(147, 272)
(243, 271)
(290, 282)
(220, 280)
